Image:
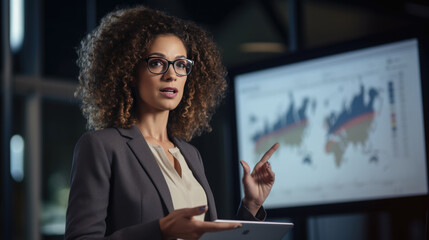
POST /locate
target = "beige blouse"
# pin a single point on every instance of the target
(186, 191)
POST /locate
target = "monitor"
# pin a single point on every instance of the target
(350, 124)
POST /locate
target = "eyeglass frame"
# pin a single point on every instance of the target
(169, 63)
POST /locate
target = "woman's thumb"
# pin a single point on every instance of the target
(246, 168)
(190, 212)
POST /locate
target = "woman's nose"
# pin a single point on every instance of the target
(170, 74)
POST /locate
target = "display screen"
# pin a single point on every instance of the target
(350, 126)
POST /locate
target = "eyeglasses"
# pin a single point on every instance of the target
(160, 65)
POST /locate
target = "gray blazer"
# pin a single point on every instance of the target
(118, 191)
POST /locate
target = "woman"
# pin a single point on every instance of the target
(148, 83)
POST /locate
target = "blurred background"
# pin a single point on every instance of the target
(41, 120)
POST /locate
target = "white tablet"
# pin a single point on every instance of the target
(251, 230)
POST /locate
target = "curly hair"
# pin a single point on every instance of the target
(108, 58)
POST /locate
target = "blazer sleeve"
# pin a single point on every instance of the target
(89, 196)
(244, 214)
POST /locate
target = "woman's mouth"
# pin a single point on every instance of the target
(169, 92)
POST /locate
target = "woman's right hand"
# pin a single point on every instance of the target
(182, 224)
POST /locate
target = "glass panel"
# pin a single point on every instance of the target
(17, 230)
(62, 125)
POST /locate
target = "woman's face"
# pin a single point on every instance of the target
(161, 92)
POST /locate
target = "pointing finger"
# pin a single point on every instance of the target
(268, 155)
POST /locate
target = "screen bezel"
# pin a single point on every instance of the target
(417, 201)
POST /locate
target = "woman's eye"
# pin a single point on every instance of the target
(181, 64)
(156, 63)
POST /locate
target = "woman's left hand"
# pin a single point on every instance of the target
(258, 184)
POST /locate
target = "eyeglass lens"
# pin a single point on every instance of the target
(160, 65)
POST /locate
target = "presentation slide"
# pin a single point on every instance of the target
(350, 126)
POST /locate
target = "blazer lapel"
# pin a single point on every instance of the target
(141, 150)
(191, 160)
